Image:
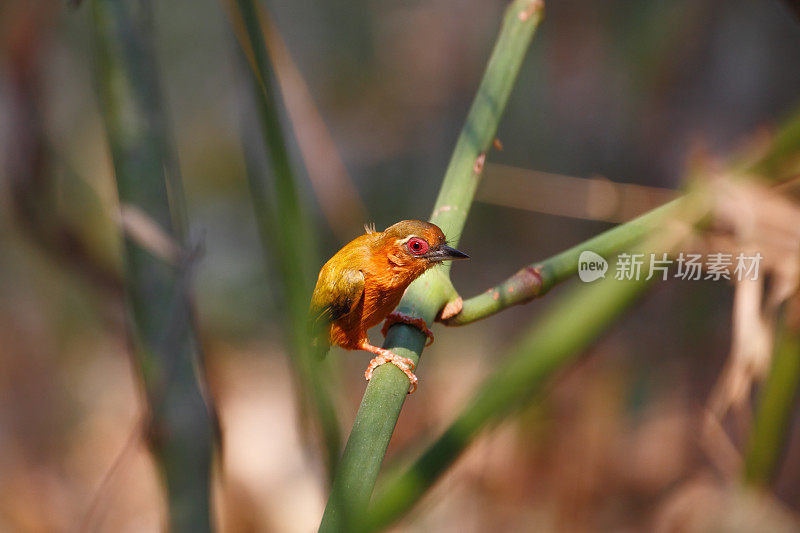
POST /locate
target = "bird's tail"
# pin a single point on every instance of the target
(319, 336)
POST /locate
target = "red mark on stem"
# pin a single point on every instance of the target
(443, 209)
(534, 6)
(527, 283)
(477, 168)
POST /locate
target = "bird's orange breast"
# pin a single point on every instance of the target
(385, 281)
(384, 284)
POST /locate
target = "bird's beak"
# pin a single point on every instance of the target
(445, 253)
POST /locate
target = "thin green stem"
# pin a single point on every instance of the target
(781, 160)
(181, 426)
(568, 329)
(776, 405)
(285, 232)
(575, 322)
(778, 162)
(386, 392)
(535, 280)
(469, 155)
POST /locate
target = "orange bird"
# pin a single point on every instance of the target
(360, 286)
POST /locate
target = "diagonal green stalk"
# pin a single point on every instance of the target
(386, 392)
(534, 281)
(776, 404)
(571, 326)
(781, 160)
(465, 170)
(541, 352)
(285, 232)
(181, 426)
(777, 163)
(575, 321)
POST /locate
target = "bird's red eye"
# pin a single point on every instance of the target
(417, 246)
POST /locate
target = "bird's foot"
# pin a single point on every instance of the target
(397, 316)
(385, 356)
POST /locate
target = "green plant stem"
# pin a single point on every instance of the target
(776, 405)
(575, 321)
(781, 160)
(535, 280)
(379, 411)
(285, 233)
(180, 428)
(465, 170)
(386, 392)
(777, 163)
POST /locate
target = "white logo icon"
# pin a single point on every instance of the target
(591, 266)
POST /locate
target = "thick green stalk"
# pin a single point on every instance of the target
(776, 405)
(386, 392)
(537, 279)
(180, 429)
(379, 411)
(285, 233)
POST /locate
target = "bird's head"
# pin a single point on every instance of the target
(418, 244)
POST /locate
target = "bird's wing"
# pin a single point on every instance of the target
(334, 297)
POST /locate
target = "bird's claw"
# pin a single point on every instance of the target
(403, 363)
(403, 318)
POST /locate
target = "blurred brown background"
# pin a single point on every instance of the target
(626, 90)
